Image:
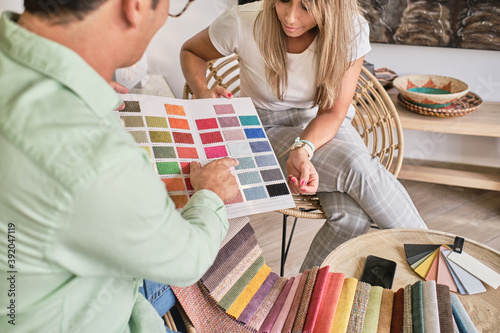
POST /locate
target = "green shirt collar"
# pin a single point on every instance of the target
(57, 62)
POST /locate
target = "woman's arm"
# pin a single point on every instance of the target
(195, 54)
(326, 123)
(319, 131)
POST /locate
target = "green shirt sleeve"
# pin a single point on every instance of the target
(124, 223)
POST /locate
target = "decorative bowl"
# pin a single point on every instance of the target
(430, 91)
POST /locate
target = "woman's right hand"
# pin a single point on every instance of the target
(216, 92)
(302, 176)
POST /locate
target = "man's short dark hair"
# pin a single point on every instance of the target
(54, 8)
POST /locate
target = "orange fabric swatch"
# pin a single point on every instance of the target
(329, 302)
(178, 123)
(177, 110)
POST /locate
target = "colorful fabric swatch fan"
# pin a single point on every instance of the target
(240, 293)
(449, 265)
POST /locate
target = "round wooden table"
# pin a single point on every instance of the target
(349, 258)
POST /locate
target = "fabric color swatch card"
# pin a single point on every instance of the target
(176, 132)
(459, 271)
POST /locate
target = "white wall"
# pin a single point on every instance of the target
(163, 52)
(13, 5)
(480, 69)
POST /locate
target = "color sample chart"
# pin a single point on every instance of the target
(175, 132)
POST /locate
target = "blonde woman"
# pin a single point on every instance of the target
(300, 62)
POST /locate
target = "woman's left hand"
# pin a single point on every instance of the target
(302, 176)
(119, 89)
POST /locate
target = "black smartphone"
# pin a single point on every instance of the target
(378, 272)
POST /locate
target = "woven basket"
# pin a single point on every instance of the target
(463, 106)
(430, 91)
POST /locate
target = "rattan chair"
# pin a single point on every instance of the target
(376, 120)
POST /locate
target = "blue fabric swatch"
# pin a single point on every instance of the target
(254, 133)
(255, 193)
(260, 146)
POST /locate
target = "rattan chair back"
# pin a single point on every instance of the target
(376, 120)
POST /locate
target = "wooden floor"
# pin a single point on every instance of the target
(471, 213)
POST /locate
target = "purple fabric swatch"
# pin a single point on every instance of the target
(226, 252)
(275, 310)
(267, 304)
(280, 320)
(259, 296)
(235, 226)
(233, 261)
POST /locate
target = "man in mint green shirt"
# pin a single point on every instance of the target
(83, 217)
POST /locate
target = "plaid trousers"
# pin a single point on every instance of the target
(354, 188)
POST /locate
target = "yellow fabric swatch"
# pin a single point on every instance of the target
(425, 266)
(419, 262)
(341, 318)
(373, 310)
(246, 295)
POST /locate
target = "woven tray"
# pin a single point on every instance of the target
(465, 105)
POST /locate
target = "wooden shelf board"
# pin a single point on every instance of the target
(450, 176)
(485, 121)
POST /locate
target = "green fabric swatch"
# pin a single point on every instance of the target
(156, 121)
(417, 309)
(164, 152)
(242, 282)
(160, 136)
(168, 168)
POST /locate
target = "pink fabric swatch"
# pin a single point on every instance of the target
(287, 327)
(444, 274)
(216, 152)
(275, 310)
(280, 320)
(432, 275)
(224, 109)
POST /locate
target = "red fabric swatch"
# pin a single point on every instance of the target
(397, 311)
(319, 288)
(329, 302)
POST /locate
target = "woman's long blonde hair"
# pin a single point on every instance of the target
(336, 21)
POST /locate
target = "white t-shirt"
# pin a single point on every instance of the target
(232, 32)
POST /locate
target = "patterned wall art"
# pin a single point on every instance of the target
(470, 24)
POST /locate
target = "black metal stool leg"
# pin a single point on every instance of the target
(284, 246)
